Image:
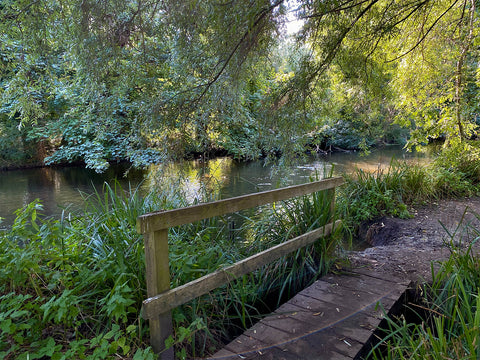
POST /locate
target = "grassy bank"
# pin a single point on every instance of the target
(394, 190)
(72, 288)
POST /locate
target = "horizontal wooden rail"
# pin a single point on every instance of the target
(165, 219)
(154, 227)
(180, 295)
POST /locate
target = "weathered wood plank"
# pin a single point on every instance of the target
(265, 333)
(354, 316)
(286, 342)
(158, 280)
(331, 292)
(245, 344)
(172, 298)
(372, 285)
(322, 345)
(165, 219)
(312, 349)
(332, 319)
(224, 354)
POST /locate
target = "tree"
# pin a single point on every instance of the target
(142, 80)
(436, 80)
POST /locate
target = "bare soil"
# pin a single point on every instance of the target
(407, 247)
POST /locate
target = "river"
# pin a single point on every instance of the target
(64, 188)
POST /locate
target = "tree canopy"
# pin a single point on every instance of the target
(148, 80)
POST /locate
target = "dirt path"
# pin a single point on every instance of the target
(407, 247)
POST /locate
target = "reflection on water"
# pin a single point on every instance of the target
(57, 188)
(63, 188)
(348, 162)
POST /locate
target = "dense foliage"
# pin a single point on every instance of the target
(146, 81)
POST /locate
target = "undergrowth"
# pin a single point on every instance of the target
(73, 287)
(370, 195)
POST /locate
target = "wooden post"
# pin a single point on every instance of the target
(158, 281)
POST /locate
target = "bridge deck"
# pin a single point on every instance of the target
(331, 319)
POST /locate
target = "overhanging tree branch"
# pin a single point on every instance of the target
(333, 52)
(426, 33)
(261, 16)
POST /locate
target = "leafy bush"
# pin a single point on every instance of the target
(369, 195)
(57, 297)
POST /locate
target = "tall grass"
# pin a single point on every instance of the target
(289, 219)
(73, 287)
(216, 242)
(391, 191)
(450, 319)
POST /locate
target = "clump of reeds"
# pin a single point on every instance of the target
(73, 287)
(389, 192)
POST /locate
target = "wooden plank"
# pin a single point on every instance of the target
(331, 292)
(172, 298)
(312, 349)
(224, 354)
(368, 284)
(323, 345)
(165, 219)
(266, 334)
(158, 280)
(287, 342)
(245, 344)
(333, 318)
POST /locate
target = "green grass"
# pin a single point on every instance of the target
(73, 287)
(391, 191)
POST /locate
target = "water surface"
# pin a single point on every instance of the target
(61, 189)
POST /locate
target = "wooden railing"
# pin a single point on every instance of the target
(154, 227)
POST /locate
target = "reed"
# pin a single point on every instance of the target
(73, 287)
(391, 191)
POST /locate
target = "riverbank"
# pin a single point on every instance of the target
(60, 188)
(408, 246)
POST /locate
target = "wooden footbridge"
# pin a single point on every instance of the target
(332, 319)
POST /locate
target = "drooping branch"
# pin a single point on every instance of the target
(424, 36)
(260, 17)
(459, 70)
(334, 50)
(341, 8)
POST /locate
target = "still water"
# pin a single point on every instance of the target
(61, 189)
